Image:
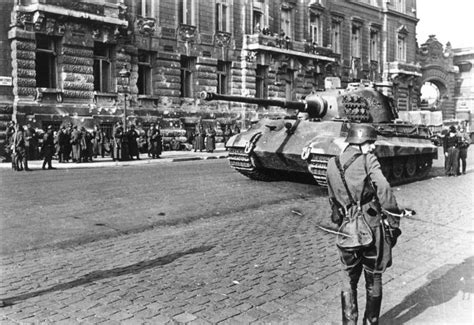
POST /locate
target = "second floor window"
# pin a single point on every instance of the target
(400, 6)
(146, 8)
(102, 67)
(222, 16)
(261, 84)
(336, 37)
(46, 69)
(187, 67)
(257, 21)
(374, 45)
(355, 42)
(315, 29)
(186, 12)
(286, 23)
(144, 81)
(223, 69)
(401, 48)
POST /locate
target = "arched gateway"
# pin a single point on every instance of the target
(438, 77)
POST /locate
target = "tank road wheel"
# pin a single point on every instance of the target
(410, 167)
(424, 166)
(397, 169)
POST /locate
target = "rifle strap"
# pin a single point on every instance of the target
(342, 171)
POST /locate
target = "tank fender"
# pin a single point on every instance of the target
(324, 146)
(250, 145)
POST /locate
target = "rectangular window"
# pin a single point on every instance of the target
(46, 62)
(222, 16)
(400, 5)
(355, 42)
(261, 85)
(290, 85)
(223, 69)
(186, 12)
(286, 24)
(401, 49)
(146, 8)
(374, 45)
(144, 81)
(257, 21)
(187, 66)
(336, 37)
(315, 29)
(102, 67)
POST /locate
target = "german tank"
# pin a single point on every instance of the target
(317, 130)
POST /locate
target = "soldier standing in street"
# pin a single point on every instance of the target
(48, 147)
(118, 135)
(451, 151)
(362, 178)
(19, 149)
(464, 141)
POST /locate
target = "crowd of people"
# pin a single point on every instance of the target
(455, 144)
(72, 143)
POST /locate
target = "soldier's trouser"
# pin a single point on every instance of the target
(373, 261)
(452, 163)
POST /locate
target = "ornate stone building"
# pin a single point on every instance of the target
(66, 57)
(464, 89)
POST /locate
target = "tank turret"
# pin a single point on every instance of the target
(272, 148)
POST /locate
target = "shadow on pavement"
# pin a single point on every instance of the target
(104, 274)
(445, 283)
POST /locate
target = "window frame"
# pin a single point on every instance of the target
(105, 79)
(221, 24)
(223, 71)
(261, 81)
(187, 76)
(145, 72)
(186, 12)
(317, 23)
(286, 26)
(336, 43)
(51, 54)
(356, 41)
(401, 49)
(374, 48)
(143, 4)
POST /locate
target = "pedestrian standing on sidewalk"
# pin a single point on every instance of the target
(356, 175)
(199, 138)
(210, 139)
(48, 148)
(132, 136)
(75, 141)
(19, 149)
(464, 141)
(451, 151)
(118, 134)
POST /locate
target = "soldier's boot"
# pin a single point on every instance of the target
(349, 307)
(373, 285)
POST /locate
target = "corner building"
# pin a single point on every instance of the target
(66, 57)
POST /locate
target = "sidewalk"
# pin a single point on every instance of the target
(166, 156)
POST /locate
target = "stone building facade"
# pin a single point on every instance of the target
(464, 88)
(66, 57)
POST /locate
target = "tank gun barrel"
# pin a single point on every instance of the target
(314, 105)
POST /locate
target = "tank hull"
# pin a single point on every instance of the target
(275, 147)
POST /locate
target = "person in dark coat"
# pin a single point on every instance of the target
(156, 145)
(118, 134)
(98, 140)
(366, 184)
(48, 148)
(76, 138)
(464, 142)
(63, 140)
(227, 134)
(210, 140)
(31, 142)
(132, 136)
(9, 132)
(451, 151)
(19, 149)
(199, 138)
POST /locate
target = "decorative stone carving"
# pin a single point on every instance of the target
(38, 20)
(146, 26)
(22, 18)
(186, 33)
(50, 25)
(222, 39)
(96, 32)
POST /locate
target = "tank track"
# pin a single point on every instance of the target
(410, 169)
(245, 164)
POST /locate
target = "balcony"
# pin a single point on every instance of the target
(284, 45)
(404, 68)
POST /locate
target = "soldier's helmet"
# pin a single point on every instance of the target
(361, 133)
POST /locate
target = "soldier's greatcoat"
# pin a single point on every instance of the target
(355, 177)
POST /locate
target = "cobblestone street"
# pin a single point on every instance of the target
(265, 265)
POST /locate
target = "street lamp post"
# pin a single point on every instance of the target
(125, 77)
